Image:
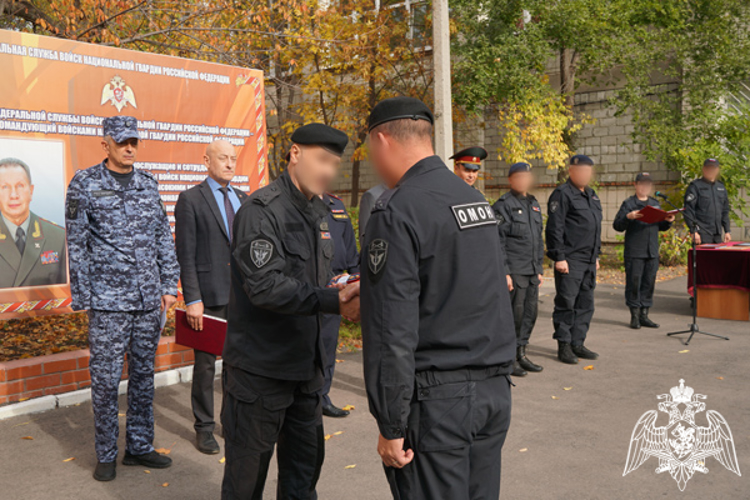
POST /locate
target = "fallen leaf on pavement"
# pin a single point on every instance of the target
(348, 408)
(720, 378)
(589, 367)
(28, 438)
(165, 485)
(338, 433)
(683, 352)
(69, 459)
(147, 472)
(22, 423)
(350, 466)
(163, 451)
(223, 459)
(567, 388)
(120, 414)
(523, 450)
(339, 361)
(328, 436)
(555, 397)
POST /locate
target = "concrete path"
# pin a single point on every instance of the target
(562, 443)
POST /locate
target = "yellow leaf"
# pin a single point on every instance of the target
(719, 378)
(165, 485)
(338, 433)
(683, 352)
(69, 459)
(328, 436)
(555, 397)
(523, 450)
(348, 408)
(28, 438)
(339, 361)
(567, 388)
(223, 459)
(589, 367)
(163, 451)
(147, 472)
(120, 414)
(350, 466)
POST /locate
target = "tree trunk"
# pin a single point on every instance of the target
(354, 200)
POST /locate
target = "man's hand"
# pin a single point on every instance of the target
(561, 266)
(634, 215)
(509, 280)
(597, 264)
(670, 218)
(195, 316)
(349, 301)
(541, 279)
(697, 238)
(167, 301)
(392, 452)
(727, 237)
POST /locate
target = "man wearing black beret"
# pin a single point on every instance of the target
(519, 221)
(273, 354)
(436, 318)
(573, 235)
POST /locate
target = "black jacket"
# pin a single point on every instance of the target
(202, 246)
(281, 262)
(641, 239)
(707, 204)
(434, 294)
(519, 222)
(574, 224)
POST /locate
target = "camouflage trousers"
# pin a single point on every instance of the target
(112, 334)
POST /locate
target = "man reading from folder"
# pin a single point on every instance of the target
(203, 233)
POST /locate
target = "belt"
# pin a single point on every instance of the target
(439, 377)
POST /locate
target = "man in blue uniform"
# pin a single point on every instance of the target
(707, 206)
(574, 227)
(345, 261)
(641, 250)
(124, 271)
(519, 220)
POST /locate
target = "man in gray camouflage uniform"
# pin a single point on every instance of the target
(124, 271)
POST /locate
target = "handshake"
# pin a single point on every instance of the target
(348, 296)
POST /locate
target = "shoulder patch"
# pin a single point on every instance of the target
(261, 252)
(690, 197)
(72, 209)
(334, 196)
(553, 206)
(473, 214)
(377, 254)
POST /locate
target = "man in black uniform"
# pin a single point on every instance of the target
(707, 206)
(273, 355)
(641, 250)
(345, 261)
(438, 341)
(519, 219)
(574, 227)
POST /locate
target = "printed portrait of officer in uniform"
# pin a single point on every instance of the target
(32, 249)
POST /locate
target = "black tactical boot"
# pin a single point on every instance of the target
(582, 352)
(524, 362)
(105, 471)
(518, 371)
(206, 443)
(635, 321)
(645, 321)
(565, 353)
(151, 460)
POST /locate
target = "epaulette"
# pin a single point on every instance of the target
(48, 222)
(265, 195)
(385, 198)
(146, 174)
(334, 196)
(505, 196)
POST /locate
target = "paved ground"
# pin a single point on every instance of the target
(562, 443)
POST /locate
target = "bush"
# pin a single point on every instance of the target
(674, 247)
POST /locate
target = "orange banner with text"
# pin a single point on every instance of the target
(54, 95)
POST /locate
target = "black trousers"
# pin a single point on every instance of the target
(640, 280)
(707, 237)
(457, 428)
(525, 301)
(329, 331)
(202, 391)
(259, 414)
(574, 302)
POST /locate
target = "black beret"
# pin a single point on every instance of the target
(399, 108)
(711, 162)
(519, 167)
(582, 160)
(317, 134)
(643, 177)
(470, 158)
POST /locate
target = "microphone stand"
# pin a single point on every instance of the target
(693, 327)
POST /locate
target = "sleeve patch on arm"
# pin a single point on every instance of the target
(690, 197)
(553, 206)
(377, 254)
(261, 252)
(473, 214)
(73, 209)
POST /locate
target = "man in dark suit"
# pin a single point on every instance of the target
(203, 233)
(32, 250)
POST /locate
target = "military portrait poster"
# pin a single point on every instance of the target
(54, 95)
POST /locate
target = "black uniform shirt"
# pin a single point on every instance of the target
(434, 294)
(281, 262)
(707, 204)
(574, 224)
(641, 239)
(519, 220)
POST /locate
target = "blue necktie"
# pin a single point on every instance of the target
(229, 209)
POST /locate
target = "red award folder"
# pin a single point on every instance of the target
(211, 339)
(652, 215)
